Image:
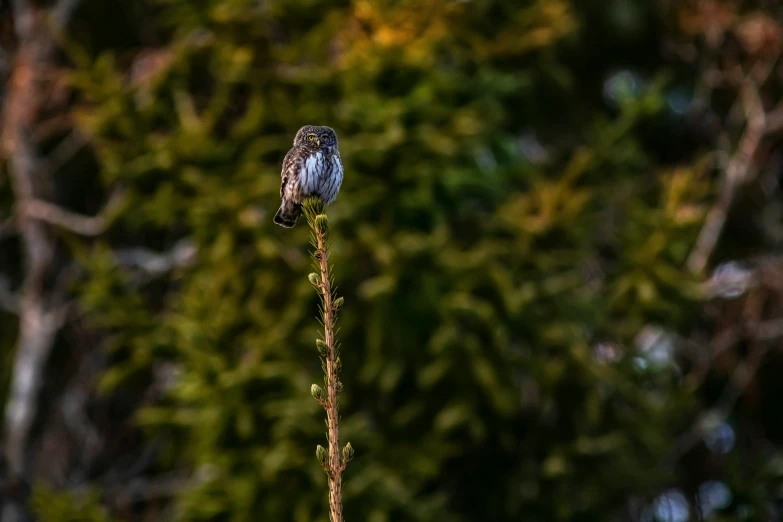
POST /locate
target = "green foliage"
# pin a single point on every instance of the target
(312, 207)
(49, 506)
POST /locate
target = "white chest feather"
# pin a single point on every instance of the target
(310, 175)
(319, 174)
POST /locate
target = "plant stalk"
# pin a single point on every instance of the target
(335, 468)
(332, 460)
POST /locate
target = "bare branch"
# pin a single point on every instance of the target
(77, 223)
(37, 331)
(41, 309)
(738, 171)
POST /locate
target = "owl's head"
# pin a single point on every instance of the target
(316, 137)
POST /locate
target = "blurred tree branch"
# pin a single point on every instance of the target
(84, 225)
(740, 169)
(41, 304)
(759, 36)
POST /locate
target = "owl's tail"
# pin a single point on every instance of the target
(287, 214)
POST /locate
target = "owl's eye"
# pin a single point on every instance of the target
(311, 137)
(324, 137)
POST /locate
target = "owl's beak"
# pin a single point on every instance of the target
(318, 142)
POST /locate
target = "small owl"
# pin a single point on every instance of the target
(311, 168)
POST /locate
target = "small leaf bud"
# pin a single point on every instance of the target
(321, 454)
(317, 392)
(347, 453)
(321, 223)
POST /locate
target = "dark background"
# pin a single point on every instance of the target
(558, 239)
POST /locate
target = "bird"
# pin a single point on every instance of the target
(311, 168)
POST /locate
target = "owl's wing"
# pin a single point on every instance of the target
(288, 165)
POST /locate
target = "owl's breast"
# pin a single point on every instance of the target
(332, 178)
(320, 174)
(312, 172)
